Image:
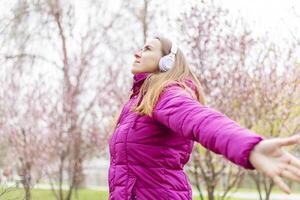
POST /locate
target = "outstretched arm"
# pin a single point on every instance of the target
(178, 111)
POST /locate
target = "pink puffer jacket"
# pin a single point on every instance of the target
(147, 154)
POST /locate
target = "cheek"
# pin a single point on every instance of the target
(150, 62)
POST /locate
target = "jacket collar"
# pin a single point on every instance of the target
(138, 80)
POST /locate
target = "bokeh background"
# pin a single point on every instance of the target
(65, 74)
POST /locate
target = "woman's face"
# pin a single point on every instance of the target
(147, 58)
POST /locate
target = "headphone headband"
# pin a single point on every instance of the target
(174, 48)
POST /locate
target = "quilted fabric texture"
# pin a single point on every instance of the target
(147, 154)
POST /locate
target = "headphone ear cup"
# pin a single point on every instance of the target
(161, 64)
(165, 63)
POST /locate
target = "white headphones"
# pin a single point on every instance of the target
(166, 62)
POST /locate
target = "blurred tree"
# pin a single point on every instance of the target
(245, 78)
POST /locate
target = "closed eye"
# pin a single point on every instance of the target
(145, 48)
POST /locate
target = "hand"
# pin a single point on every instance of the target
(269, 158)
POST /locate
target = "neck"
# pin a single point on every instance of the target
(138, 80)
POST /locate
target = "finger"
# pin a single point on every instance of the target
(295, 171)
(279, 182)
(288, 173)
(290, 140)
(294, 161)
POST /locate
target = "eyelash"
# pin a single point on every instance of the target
(147, 48)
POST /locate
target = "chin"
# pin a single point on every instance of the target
(136, 70)
(133, 71)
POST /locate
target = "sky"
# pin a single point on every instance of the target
(279, 18)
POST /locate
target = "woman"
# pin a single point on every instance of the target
(156, 130)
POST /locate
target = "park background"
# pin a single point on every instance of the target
(65, 73)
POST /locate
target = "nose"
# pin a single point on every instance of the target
(137, 54)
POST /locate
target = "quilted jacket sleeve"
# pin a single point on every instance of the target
(215, 131)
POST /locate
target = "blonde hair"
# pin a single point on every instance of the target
(155, 83)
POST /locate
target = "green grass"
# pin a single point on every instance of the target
(83, 194)
(196, 198)
(40, 194)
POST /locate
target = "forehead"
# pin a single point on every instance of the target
(155, 43)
